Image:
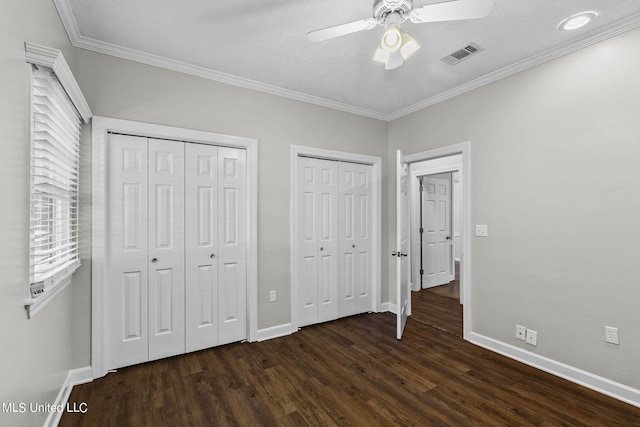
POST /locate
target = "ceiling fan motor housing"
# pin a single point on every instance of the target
(382, 8)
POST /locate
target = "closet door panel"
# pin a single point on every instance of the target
(166, 249)
(318, 230)
(201, 240)
(364, 296)
(232, 247)
(307, 212)
(348, 277)
(126, 316)
(328, 240)
(354, 283)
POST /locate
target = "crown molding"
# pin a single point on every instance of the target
(53, 58)
(605, 33)
(80, 41)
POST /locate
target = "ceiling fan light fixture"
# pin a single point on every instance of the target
(578, 20)
(381, 55)
(409, 46)
(395, 60)
(391, 39)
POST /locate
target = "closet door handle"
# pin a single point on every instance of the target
(154, 260)
(212, 256)
(353, 246)
(321, 248)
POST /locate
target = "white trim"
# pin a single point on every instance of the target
(390, 307)
(274, 332)
(595, 382)
(53, 58)
(80, 41)
(34, 305)
(74, 377)
(376, 179)
(100, 128)
(464, 149)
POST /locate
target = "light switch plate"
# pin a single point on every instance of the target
(482, 230)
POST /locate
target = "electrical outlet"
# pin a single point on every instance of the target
(482, 230)
(521, 332)
(273, 296)
(611, 335)
(532, 337)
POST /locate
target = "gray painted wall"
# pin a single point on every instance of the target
(36, 354)
(555, 155)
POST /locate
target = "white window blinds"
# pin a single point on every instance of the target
(54, 184)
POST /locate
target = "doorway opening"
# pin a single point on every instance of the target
(436, 231)
(442, 303)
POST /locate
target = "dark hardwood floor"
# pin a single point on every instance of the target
(439, 307)
(348, 372)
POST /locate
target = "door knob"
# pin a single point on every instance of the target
(321, 248)
(403, 254)
(154, 260)
(448, 237)
(353, 246)
(212, 256)
(394, 253)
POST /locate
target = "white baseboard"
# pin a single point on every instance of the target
(273, 332)
(388, 306)
(600, 384)
(74, 377)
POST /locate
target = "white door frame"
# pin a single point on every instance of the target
(298, 151)
(464, 149)
(101, 126)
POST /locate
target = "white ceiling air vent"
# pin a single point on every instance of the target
(462, 54)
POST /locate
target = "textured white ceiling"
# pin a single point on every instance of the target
(262, 44)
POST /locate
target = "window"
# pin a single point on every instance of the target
(54, 179)
(55, 157)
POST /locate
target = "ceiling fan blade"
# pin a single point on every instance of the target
(451, 11)
(341, 30)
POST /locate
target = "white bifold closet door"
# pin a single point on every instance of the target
(318, 231)
(177, 252)
(354, 234)
(334, 234)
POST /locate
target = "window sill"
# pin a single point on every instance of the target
(34, 305)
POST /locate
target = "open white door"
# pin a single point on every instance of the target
(402, 245)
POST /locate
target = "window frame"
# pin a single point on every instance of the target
(51, 59)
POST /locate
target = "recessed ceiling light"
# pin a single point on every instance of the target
(578, 20)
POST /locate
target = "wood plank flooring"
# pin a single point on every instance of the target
(350, 372)
(439, 307)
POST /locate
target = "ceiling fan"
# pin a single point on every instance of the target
(396, 45)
